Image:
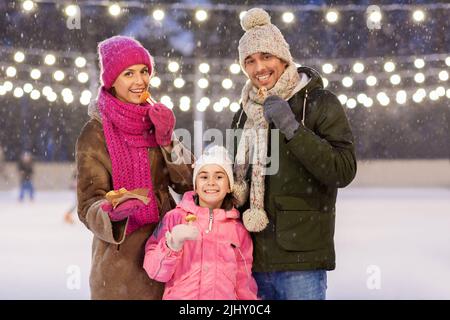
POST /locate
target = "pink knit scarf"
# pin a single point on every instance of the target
(128, 133)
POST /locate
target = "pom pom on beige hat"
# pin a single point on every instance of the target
(261, 36)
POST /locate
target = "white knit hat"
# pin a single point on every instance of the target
(261, 36)
(217, 155)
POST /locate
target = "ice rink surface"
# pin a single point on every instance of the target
(390, 244)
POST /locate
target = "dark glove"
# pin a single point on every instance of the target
(123, 210)
(164, 121)
(278, 111)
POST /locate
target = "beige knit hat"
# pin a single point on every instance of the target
(261, 36)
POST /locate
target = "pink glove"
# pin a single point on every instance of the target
(164, 122)
(123, 210)
(179, 234)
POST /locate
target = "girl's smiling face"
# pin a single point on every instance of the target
(211, 186)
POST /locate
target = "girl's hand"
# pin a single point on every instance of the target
(180, 233)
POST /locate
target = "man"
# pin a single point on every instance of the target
(291, 212)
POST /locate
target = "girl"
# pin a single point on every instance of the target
(126, 144)
(211, 257)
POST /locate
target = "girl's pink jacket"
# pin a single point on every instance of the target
(215, 266)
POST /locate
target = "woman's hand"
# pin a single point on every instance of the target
(164, 121)
(123, 210)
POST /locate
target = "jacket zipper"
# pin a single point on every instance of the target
(210, 221)
(304, 106)
(239, 120)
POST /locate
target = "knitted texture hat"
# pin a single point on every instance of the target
(217, 155)
(261, 36)
(118, 53)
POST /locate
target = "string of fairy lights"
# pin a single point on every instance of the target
(374, 13)
(73, 77)
(427, 77)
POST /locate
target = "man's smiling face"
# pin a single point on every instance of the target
(264, 69)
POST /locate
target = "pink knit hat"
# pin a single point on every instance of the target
(118, 53)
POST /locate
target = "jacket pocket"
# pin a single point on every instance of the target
(228, 261)
(299, 224)
(185, 287)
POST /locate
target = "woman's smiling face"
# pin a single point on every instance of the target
(131, 83)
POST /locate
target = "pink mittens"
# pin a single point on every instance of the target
(164, 122)
(123, 210)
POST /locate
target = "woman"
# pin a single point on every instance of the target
(126, 144)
